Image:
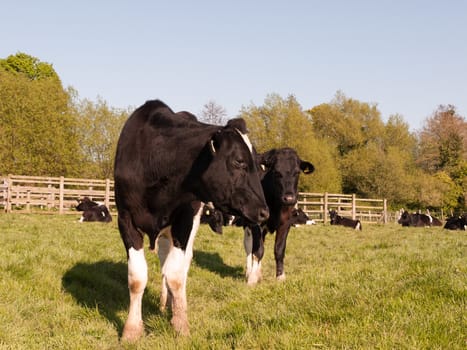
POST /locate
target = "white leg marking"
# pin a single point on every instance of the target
(81, 219)
(175, 268)
(248, 245)
(137, 280)
(253, 265)
(163, 245)
(255, 275)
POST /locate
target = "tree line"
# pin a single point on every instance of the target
(47, 129)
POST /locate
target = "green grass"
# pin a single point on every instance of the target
(63, 286)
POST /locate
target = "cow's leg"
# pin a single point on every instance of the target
(253, 242)
(279, 250)
(164, 245)
(177, 263)
(137, 277)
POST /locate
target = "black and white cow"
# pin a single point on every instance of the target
(167, 166)
(215, 218)
(456, 223)
(282, 168)
(417, 220)
(93, 211)
(336, 219)
(299, 217)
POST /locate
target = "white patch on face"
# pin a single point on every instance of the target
(246, 140)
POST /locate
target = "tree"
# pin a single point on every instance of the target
(348, 123)
(282, 123)
(98, 131)
(28, 66)
(38, 132)
(443, 140)
(213, 113)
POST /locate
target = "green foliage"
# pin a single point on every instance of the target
(387, 287)
(282, 123)
(350, 124)
(98, 131)
(36, 127)
(28, 66)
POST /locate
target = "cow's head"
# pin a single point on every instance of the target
(231, 180)
(333, 215)
(282, 168)
(85, 204)
(404, 218)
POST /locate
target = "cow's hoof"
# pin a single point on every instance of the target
(180, 326)
(132, 333)
(281, 278)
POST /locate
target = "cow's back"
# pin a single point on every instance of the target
(155, 152)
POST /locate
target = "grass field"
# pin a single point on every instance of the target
(63, 286)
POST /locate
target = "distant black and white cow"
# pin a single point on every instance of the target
(215, 218)
(456, 223)
(282, 168)
(339, 220)
(167, 166)
(93, 211)
(299, 217)
(417, 220)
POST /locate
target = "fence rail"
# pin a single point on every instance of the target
(52, 194)
(317, 206)
(59, 194)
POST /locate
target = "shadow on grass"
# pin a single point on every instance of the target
(214, 263)
(103, 285)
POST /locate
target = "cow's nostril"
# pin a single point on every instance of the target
(288, 199)
(263, 214)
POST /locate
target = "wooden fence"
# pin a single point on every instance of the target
(52, 194)
(60, 194)
(317, 206)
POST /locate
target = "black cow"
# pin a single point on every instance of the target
(456, 223)
(417, 220)
(167, 166)
(340, 220)
(93, 211)
(282, 168)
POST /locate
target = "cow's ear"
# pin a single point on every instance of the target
(239, 124)
(306, 167)
(266, 159)
(213, 146)
(214, 143)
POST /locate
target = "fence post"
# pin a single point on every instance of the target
(61, 195)
(107, 193)
(325, 211)
(354, 206)
(385, 211)
(8, 194)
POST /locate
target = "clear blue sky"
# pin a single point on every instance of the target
(407, 56)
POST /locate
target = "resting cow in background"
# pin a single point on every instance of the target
(299, 217)
(456, 223)
(167, 166)
(93, 211)
(215, 218)
(282, 168)
(339, 220)
(417, 220)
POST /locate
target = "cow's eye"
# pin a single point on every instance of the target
(240, 164)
